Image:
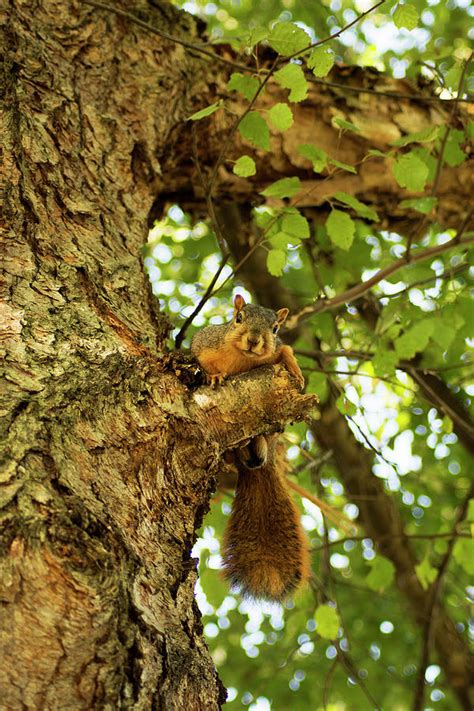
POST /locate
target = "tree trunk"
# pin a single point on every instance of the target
(109, 457)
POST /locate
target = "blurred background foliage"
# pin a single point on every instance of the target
(282, 657)
(441, 40)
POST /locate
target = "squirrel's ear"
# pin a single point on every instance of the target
(239, 303)
(281, 315)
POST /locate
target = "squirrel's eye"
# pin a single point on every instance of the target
(275, 328)
(238, 318)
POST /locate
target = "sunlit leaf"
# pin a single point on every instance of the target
(286, 187)
(406, 16)
(410, 172)
(206, 111)
(423, 205)
(244, 167)
(276, 260)
(255, 130)
(321, 60)
(327, 621)
(341, 229)
(280, 117)
(463, 553)
(345, 406)
(363, 210)
(344, 125)
(296, 224)
(317, 156)
(287, 38)
(415, 339)
(244, 84)
(291, 77)
(343, 166)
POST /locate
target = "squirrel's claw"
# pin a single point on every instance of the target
(216, 379)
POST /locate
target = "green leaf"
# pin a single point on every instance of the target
(426, 573)
(453, 76)
(381, 575)
(321, 61)
(343, 166)
(425, 136)
(327, 621)
(423, 205)
(453, 154)
(286, 187)
(287, 38)
(291, 76)
(359, 207)
(344, 125)
(296, 225)
(406, 16)
(340, 229)
(415, 339)
(244, 167)
(255, 130)
(470, 511)
(276, 260)
(345, 406)
(463, 553)
(257, 34)
(281, 117)
(280, 240)
(443, 334)
(384, 362)
(244, 84)
(317, 156)
(410, 172)
(206, 111)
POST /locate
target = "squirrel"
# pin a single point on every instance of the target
(265, 552)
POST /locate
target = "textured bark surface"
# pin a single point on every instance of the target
(109, 458)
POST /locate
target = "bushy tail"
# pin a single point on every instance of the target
(265, 550)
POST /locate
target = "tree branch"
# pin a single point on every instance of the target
(360, 289)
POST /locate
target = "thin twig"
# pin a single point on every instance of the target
(356, 291)
(360, 17)
(448, 274)
(421, 536)
(448, 127)
(338, 518)
(200, 49)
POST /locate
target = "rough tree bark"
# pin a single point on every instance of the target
(109, 457)
(110, 450)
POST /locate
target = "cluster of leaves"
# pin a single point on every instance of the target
(439, 44)
(415, 158)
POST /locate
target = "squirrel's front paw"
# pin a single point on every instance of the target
(299, 377)
(216, 379)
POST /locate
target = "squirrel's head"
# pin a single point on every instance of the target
(255, 328)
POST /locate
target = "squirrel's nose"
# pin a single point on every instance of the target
(253, 340)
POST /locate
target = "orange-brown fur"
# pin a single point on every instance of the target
(265, 551)
(226, 349)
